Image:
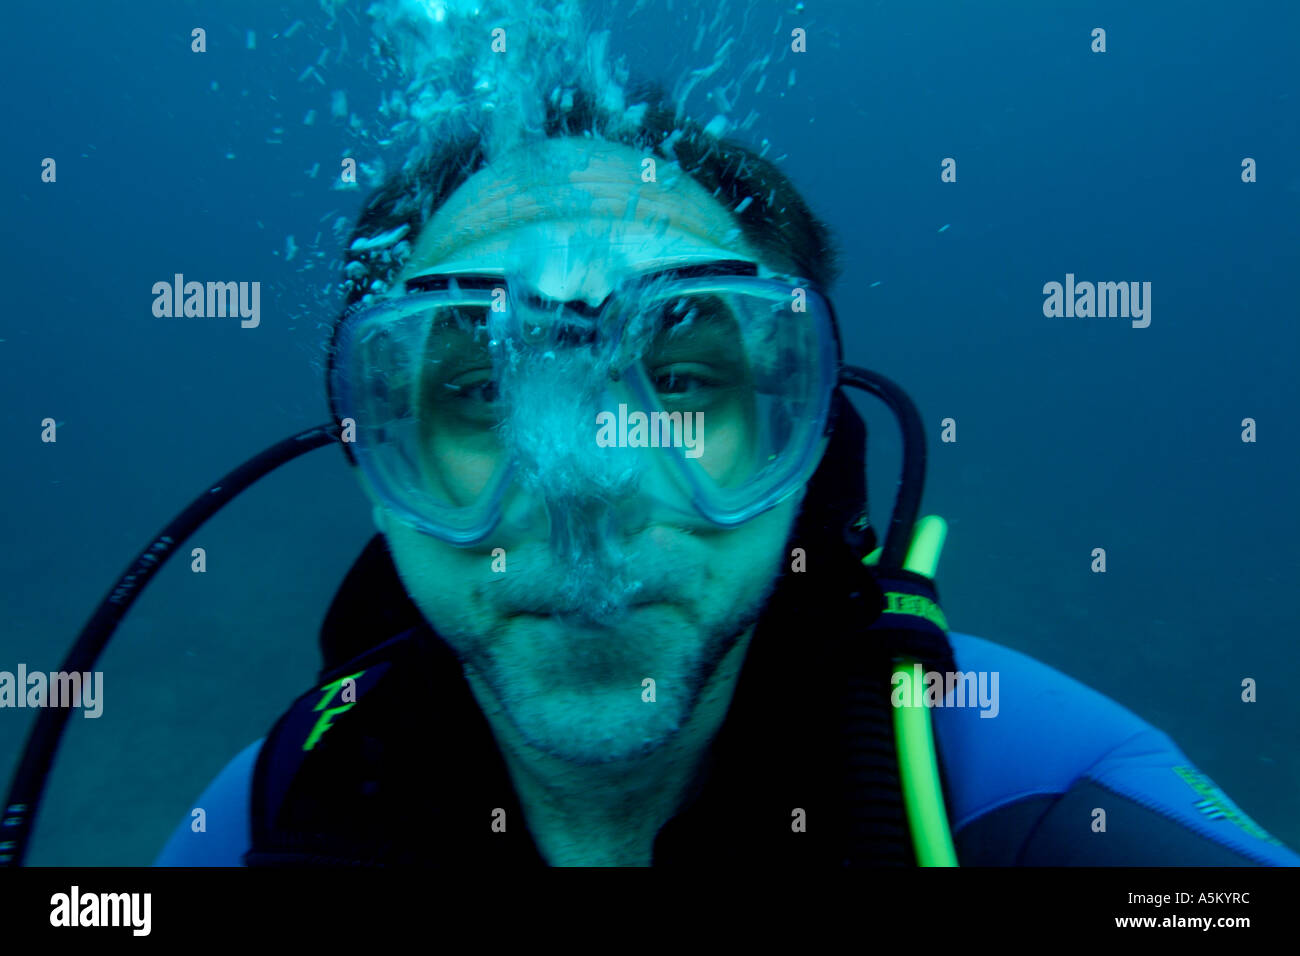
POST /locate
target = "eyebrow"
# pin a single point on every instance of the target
(440, 281)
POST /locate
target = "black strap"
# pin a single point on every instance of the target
(912, 623)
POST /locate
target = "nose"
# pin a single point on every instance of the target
(589, 492)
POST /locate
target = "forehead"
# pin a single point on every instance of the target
(573, 216)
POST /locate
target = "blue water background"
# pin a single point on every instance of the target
(1072, 434)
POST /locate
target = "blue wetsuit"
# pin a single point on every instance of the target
(1023, 787)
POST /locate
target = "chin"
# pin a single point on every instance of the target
(594, 727)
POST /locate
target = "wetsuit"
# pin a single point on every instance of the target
(410, 772)
(1023, 787)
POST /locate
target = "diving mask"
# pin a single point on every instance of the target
(699, 392)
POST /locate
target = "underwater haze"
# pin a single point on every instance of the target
(965, 156)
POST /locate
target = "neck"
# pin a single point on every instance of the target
(609, 814)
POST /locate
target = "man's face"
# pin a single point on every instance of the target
(559, 644)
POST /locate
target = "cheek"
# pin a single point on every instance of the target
(725, 457)
(456, 468)
(728, 434)
(757, 550)
(438, 578)
(721, 571)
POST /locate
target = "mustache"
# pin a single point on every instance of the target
(596, 590)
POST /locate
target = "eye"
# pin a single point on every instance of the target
(483, 392)
(472, 386)
(683, 381)
(471, 395)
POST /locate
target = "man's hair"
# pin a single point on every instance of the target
(776, 220)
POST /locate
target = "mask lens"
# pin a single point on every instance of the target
(745, 366)
(719, 386)
(699, 375)
(460, 407)
(421, 387)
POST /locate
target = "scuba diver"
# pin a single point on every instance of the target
(625, 605)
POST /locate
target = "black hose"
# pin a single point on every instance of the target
(911, 482)
(28, 784)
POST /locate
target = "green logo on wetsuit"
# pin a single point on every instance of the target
(1217, 806)
(323, 722)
